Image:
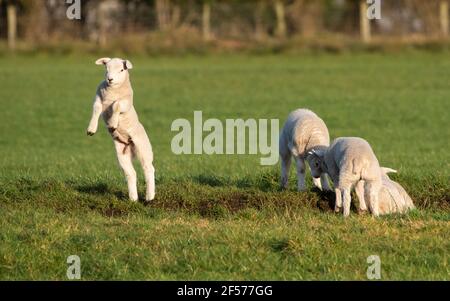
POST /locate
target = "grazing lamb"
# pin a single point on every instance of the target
(114, 101)
(349, 161)
(392, 197)
(303, 131)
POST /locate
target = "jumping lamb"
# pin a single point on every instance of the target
(114, 101)
(302, 132)
(349, 161)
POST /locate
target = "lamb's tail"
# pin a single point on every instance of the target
(386, 170)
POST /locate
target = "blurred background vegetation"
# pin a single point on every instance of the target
(200, 26)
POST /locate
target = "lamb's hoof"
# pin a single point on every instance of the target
(89, 133)
(362, 212)
(337, 209)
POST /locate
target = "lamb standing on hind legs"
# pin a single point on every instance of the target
(349, 162)
(303, 131)
(114, 101)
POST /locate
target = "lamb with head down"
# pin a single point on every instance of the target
(303, 131)
(392, 197)
(350, 162)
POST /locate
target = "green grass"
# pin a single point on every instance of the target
(220, 217)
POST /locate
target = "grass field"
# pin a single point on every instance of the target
(220, 217)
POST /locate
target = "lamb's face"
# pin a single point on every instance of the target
(116, 70)
(315, 164)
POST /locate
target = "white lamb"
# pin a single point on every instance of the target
(114, 101)
(392, 197)
(303, 131)
(349, 161)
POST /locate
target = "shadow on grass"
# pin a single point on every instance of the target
(267, 181)
(209, 180)
(326, 201)
(101, 189)
(203, 195)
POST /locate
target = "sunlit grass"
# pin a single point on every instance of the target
(218, 216)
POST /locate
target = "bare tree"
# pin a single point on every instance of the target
(307, 16)
(280, 30)
(260, 31)
(162, 8)
(364, 23)
(11, 15)
(443, 8)
(206, 20)
(0, 15)
(175, 16)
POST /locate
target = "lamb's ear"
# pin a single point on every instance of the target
(102, 61)
(310, 153)
(387, 170)
(319, 152)
(127, 65)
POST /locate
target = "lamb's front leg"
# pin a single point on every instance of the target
(96, 112)
(118, 107)
(113, 122)
(301, 168)
(324, 182)
(338, 203)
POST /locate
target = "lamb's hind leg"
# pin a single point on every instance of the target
(347, 200)
(144, 153)
(372, 189)
(359, 189)
(150, 182)
(285, 167)
(345, 187)
(124, 157)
